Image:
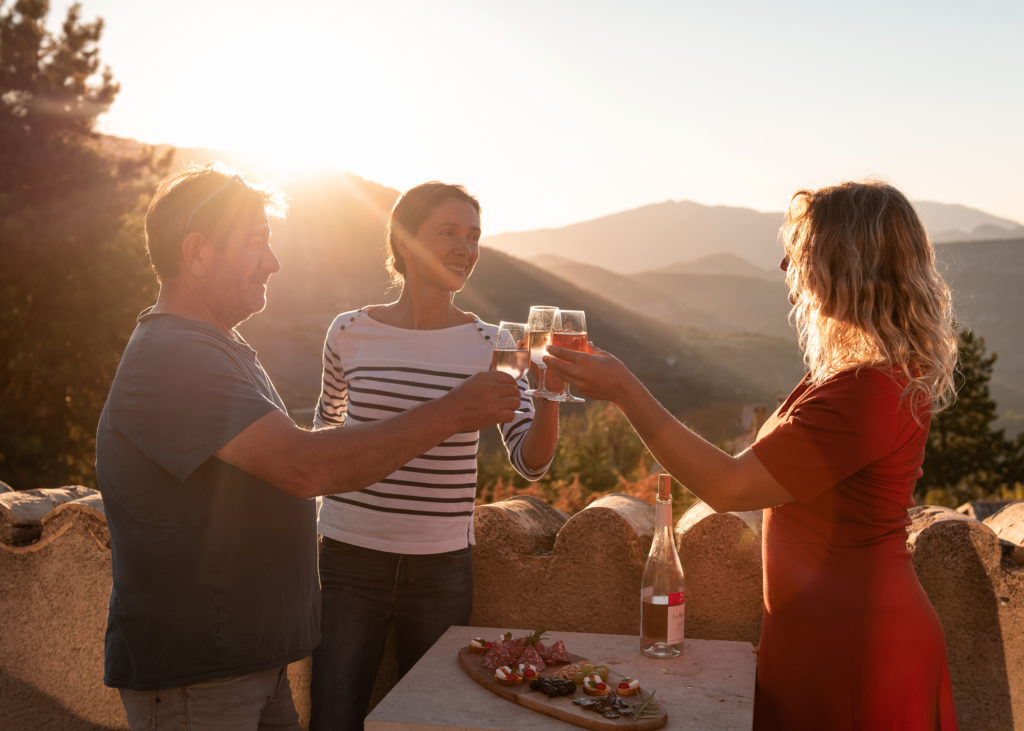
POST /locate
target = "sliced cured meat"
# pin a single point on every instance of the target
(498, 656)
(531, 656)
(555, 654)
(515, 647)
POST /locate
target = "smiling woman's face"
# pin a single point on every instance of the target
(446, 248)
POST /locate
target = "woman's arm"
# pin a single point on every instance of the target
(539, 444)
(724, 482)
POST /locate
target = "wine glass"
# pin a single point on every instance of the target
(511, 354)
(570, 332)
(539, 325)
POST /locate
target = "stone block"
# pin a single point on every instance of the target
(1008, 523)
(533, 567)
(514, 542)
(22, 512)
(53, 600)
(958, 561)
(598, 561)
(982, 509)
(721, 557)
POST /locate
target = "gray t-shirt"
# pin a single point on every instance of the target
(214, 569)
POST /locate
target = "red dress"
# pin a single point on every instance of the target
(849, 639)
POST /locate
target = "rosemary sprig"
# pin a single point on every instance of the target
(537, 636)
(646, 708)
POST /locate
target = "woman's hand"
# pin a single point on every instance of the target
(551, 380)
(596, 373)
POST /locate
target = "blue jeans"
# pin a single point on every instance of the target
(364, 591)
(260, 700)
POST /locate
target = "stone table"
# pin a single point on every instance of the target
(709, 687)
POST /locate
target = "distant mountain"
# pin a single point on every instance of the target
(661, 234)
(727, 264)
(698, 311)
(331, 252)
(985, 278)
(949, 222)
(654, 236)
(711, 303)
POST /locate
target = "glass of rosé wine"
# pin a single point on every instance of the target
(570, 332)
(511, 354)
(539, 325)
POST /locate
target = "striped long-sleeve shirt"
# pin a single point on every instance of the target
(373, 371)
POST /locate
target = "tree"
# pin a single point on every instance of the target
(598, 452)
(75, 273)
(966, 458)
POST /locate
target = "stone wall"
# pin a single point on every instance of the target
(534, 566)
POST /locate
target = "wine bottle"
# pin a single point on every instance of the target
(662, 591)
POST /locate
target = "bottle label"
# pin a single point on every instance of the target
(676, 622)
(676, 597)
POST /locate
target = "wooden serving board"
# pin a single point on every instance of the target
(560, 707)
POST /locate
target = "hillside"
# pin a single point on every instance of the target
(985, 278)
(952, 223)
(723, 263)
(704, 321)
(331, 253)
(654, 236)
(663, 234)
(712, 303)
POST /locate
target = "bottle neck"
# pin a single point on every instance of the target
(662, 514)
(664, 535)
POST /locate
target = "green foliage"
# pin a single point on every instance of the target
(75, 272)
(966, 458)
(597, 448)
(52, 86)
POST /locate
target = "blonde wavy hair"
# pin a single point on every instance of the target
(865, 290)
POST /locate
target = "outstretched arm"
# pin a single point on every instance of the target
(342, 459)
(724, 482)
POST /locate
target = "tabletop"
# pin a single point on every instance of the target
(709, 687)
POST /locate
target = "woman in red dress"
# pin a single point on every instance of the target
(849, 639)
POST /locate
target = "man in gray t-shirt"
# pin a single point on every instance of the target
(207, 482)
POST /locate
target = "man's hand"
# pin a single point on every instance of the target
(484, 399)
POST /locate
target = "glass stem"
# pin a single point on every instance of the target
(543, 373)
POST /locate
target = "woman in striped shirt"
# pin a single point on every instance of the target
(399, 550)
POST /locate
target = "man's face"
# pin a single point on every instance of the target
(236, 283)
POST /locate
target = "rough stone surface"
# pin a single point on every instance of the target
(53, 601)
(1008, 523)
(514, 541)
(721, 557)
(534, 566)
(958, 561)
(593, 580)
(22, 512)
(982, 509)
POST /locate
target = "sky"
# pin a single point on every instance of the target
(559, 111)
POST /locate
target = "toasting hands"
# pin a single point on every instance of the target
(595, 373)
(484, 399)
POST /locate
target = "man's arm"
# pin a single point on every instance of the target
(342, 459)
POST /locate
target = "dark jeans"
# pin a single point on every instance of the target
(260, 701)
(364, 591)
